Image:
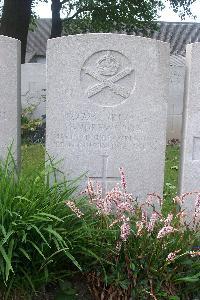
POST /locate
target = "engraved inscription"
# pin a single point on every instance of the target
(88, 140)
(196, 148)
(105, 74)
(86, 130)
(104, 179)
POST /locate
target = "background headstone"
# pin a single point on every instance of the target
(33, 92)
(176, 94)
(10, 108)
(107, 107)
(190, 158)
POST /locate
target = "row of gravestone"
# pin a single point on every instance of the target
(107, 107)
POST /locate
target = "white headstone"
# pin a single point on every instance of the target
(190, 158)
(10, 108)
(107, 107)
(33, 93)
(176, 94)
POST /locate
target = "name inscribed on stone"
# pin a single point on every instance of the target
(87, 131)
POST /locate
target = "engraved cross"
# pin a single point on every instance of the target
(104, 179)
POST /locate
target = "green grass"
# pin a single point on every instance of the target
(171, 175)
(172, 170)
(33, 158)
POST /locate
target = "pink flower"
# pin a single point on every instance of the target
(171, 256)
(178, 200)
(123, 179)
(144, 217)
(197, 208)
(169, 219)
(140, 227)
(149, 200)
(166, 230)
(151, 197)
(90, 191)
(125, 206)
(125, 231)
(115, 201)
(181, 215)
(103, 206)
(194, 253)
(142, 224)
(152, 222)
(75, 209)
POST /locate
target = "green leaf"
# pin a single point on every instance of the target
(71, 257)
(132, 267)
(41, 218)
(25, 253)
(51, 216)
(194, 278)
(7, 260)
(6, 237)
(124, 284)
(56, 235)
(3, 230)
(23, 198)
(36, 247)
(10, 251)
(40, 234)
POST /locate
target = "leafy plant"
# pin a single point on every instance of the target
(122, 248)
(34, 248)
(41, 240)
(155, 255)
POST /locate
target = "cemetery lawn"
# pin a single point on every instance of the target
(33, 158)
(172, 158)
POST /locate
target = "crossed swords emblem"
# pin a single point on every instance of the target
(109, 82)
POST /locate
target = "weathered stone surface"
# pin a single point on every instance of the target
(190, 156)
(33, 92)
(176, 94)
(10, 108)
(107, 107)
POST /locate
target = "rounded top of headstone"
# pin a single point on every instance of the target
(107, 65)
(9, 39)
